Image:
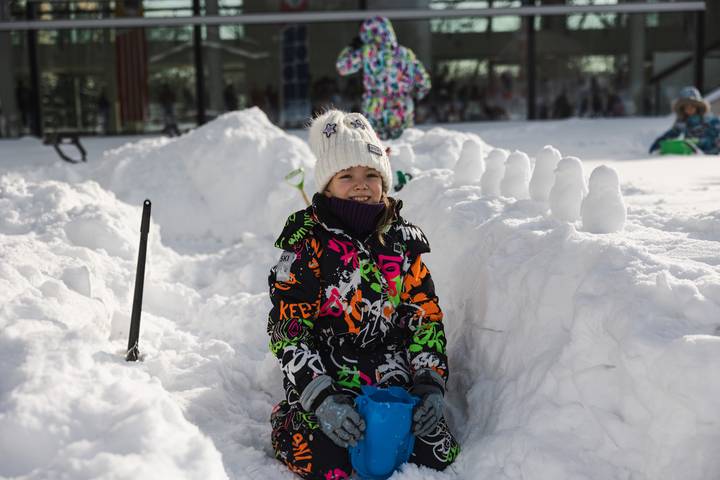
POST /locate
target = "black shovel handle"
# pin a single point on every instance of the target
(133, 351)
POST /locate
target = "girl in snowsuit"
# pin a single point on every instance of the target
(693, 122)
(353, 304)
(392, 75)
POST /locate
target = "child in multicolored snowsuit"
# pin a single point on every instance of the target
(693, 122)
(353, 304)
(392, 76)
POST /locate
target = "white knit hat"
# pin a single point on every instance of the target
(342, 140)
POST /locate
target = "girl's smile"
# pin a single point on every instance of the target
(361, 184)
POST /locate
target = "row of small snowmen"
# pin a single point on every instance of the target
(557, 181)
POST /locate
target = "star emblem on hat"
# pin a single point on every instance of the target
(330, 128)
(357, 123)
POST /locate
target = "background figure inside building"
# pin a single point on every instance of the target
(23, 100)
(392, 76)
(230, 97)
(167, 102)
(103, 113)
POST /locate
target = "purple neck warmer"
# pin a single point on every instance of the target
(360, 218)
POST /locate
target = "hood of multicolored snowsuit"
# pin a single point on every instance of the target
(378, 30)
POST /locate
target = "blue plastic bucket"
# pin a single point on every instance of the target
(388, 440)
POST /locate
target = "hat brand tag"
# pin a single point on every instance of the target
(330, 128)
(374, 149)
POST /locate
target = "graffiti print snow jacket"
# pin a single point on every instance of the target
(392, 76)
(358, 311)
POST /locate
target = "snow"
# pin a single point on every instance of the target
(573, 354)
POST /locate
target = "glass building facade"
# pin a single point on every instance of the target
(488, 64)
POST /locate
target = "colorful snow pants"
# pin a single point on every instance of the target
(389, 116)
(308, 452)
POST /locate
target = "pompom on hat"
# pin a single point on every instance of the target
(342, 140)
(690, 96)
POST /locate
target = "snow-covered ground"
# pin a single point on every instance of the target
(574, 355)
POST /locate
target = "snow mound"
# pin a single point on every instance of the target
(575, 355)
(214, 183)
(70, 406)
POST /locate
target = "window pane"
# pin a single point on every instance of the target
(170, 92)
(75, 70)
(609, 71)
(15, 92)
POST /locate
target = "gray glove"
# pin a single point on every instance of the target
(427, 386)
(428, 414)
(339, 420)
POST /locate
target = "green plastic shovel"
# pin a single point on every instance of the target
(296, 179)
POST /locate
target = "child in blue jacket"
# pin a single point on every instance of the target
(694, 122)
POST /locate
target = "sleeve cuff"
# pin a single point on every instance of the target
(427, 378)
(315, 392)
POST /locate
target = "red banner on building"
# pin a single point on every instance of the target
(132, 75)
(131, 65)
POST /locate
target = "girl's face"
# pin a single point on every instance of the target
(361, 184)
(689, 109)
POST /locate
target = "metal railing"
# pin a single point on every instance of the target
(348, 15)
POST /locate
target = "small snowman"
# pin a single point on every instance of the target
(517, 175)
(568, 190)
(470, 166)
(544, 173)
(494, 172)
(604, 210)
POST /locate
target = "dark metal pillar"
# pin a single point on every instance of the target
(699, 60)
(199, 67)
(530, 67)
(35, 97)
